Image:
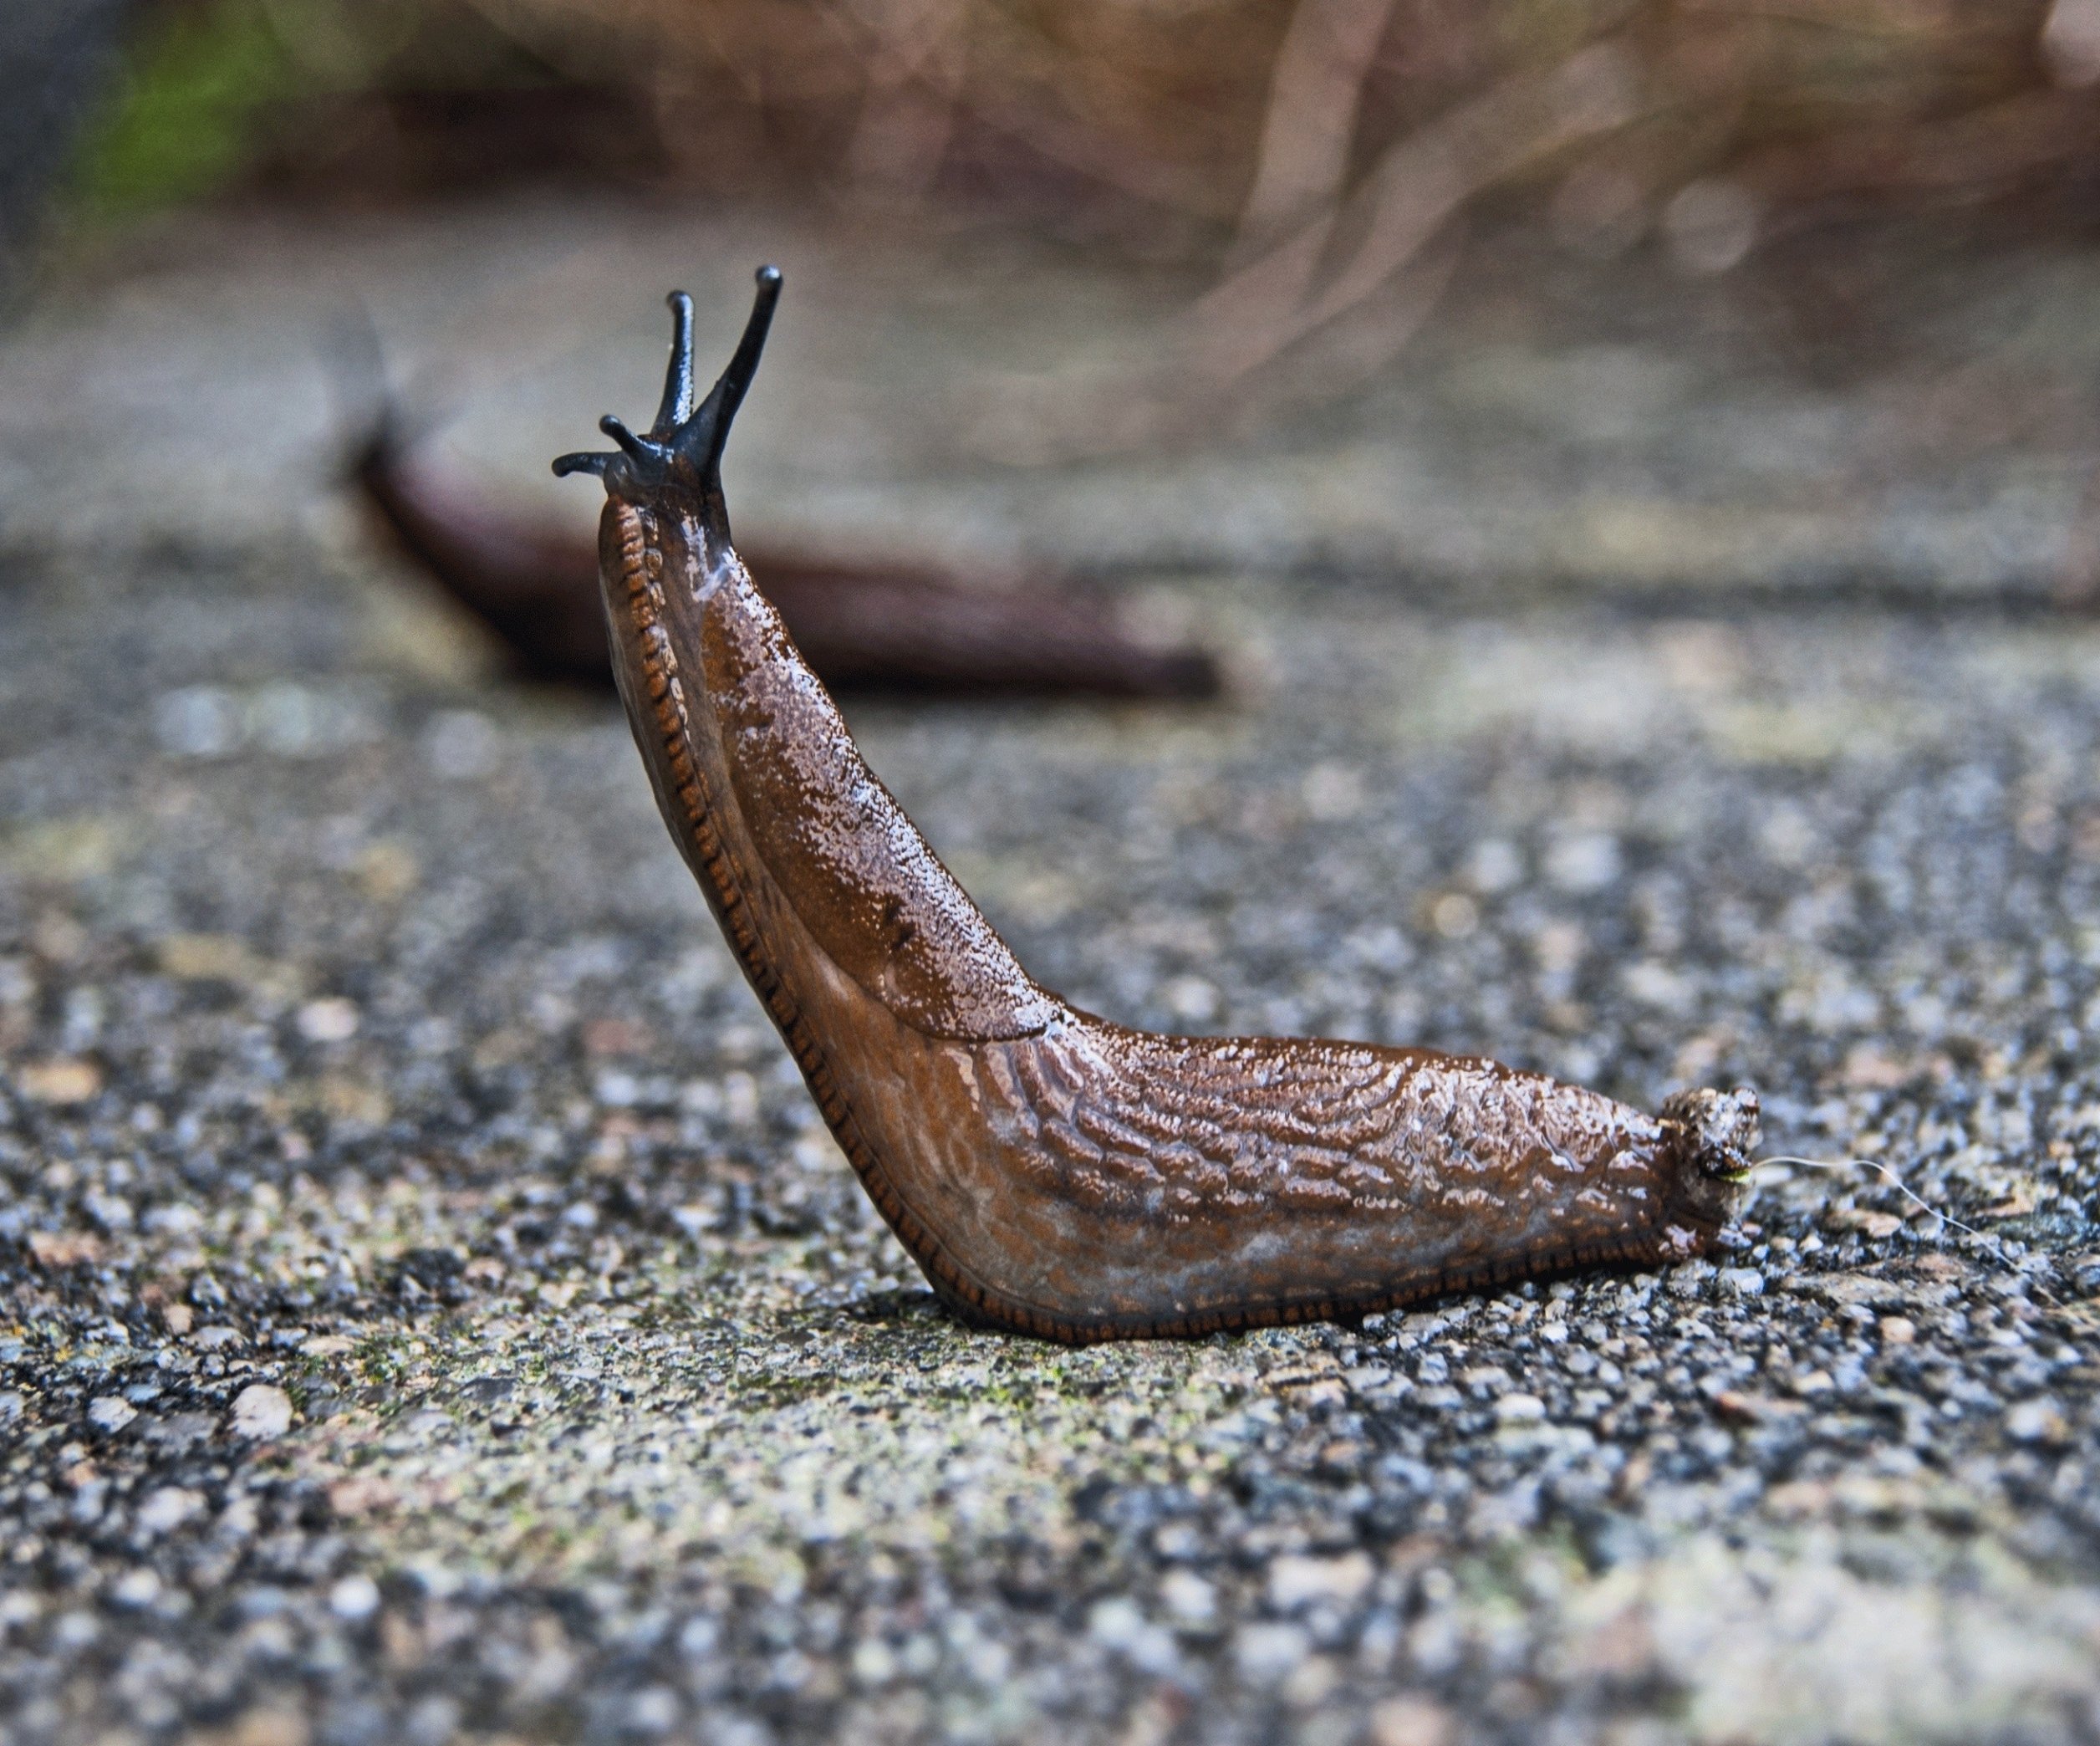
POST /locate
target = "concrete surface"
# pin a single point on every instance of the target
(433, 1311)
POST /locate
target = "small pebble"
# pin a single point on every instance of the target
(2038, 1421)
(333, 1020)
(136, 1588)
(354, 1598)
(262, 1409)
(106, 1412)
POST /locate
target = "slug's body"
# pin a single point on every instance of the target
(1053, 1173)
(883, 626)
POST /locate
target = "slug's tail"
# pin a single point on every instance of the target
(683, 450)
(1711, 1139)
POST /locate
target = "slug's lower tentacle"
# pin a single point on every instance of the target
(1051, 1173)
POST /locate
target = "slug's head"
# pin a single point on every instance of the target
(1707, 1138)
(680, 457)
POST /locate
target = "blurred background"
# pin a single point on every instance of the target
(1216, 131)
(1661, 293)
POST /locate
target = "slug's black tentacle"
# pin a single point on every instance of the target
(358, 384)
(702, 438)
(582, 460)
(677, 404)
(683, 450)
(636, 448)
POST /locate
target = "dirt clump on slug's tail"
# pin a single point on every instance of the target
(1711, 1137)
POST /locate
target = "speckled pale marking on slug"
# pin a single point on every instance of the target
(1055, 1174)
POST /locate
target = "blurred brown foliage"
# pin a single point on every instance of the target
(1229, 118)
(1320, 157)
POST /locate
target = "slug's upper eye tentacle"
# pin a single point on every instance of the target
(702, 438)
(677, 404)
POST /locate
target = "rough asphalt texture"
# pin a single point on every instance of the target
(432, 1310)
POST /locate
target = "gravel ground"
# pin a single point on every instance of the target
(433, 1310)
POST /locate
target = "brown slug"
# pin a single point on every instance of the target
(881, 626)
(1053, 1173)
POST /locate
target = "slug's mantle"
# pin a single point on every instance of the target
(1051, 1173)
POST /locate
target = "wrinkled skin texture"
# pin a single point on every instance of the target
(1053, 1173)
